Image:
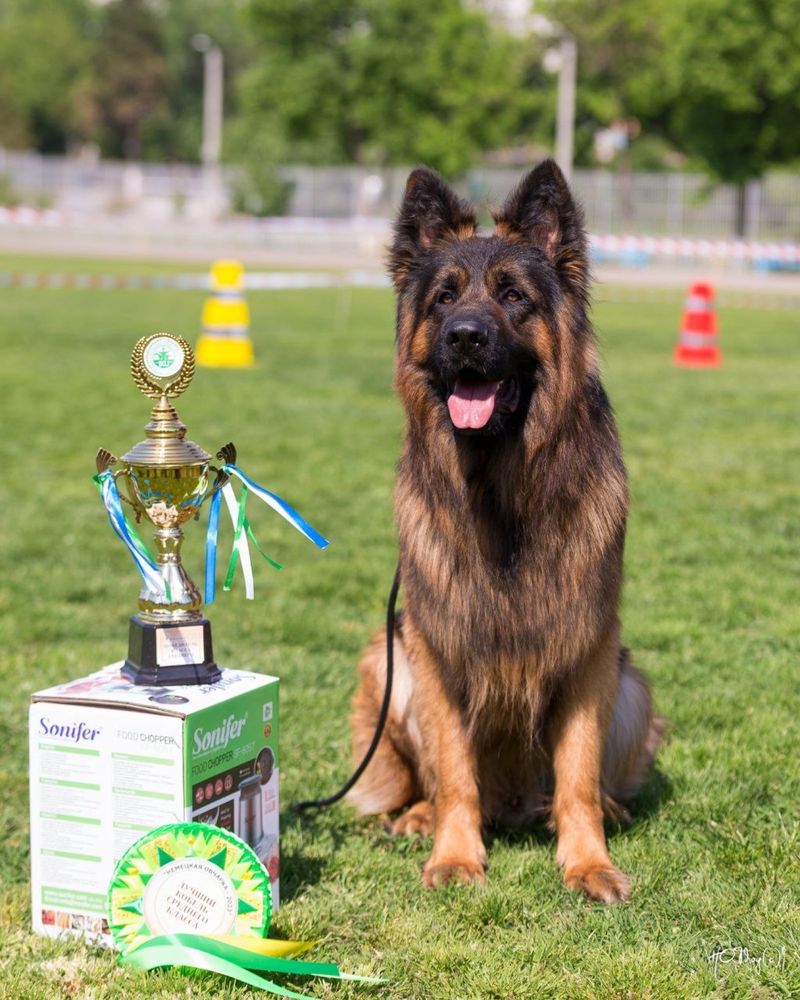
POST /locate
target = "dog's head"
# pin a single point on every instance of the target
(491, 330)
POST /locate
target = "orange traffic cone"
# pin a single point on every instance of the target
(698, 343)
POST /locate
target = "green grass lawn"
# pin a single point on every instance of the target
(710, 612)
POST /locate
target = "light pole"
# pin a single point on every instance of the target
(565, 118)
(211, 146)
(563, 60)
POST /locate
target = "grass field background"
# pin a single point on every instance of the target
(710, 612)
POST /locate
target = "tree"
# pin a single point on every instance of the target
(123, 74)
(720, 80)
(384, 81)
(130, 72)
(43, 65)
(735, 86)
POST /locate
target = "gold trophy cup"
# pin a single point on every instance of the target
(166, 479)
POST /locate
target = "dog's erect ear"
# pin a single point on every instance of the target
(541, 210)
(431, 214)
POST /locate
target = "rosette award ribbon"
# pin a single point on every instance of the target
(196, 896)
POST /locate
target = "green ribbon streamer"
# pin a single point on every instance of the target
(243, 525)
(191, 958)
(234, 559)
(197, 951)
(261, 552)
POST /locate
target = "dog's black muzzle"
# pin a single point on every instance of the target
(471, 341)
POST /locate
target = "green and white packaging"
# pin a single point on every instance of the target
(110, 761)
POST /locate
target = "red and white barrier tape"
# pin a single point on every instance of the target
(705, 249)
(25, 216)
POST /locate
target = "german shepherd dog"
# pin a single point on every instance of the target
(513, 698)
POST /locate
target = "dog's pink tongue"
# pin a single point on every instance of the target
(472, 403)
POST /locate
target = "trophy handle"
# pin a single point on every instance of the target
(136, 508)
(228, 455)
(104, 460)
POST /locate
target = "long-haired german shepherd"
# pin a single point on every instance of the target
(513, 697)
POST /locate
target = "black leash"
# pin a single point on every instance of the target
(382, 715)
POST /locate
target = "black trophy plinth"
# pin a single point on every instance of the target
(161, 655)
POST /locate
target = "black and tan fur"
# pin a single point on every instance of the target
(513, 697)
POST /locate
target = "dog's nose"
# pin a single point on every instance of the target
(467, 335)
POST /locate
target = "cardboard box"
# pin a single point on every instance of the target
(110, 761)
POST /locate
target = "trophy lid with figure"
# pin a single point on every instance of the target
(162, 367)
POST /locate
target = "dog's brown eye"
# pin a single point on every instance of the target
(445, 298)
(512, 295)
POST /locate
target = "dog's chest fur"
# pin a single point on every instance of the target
(494, 565)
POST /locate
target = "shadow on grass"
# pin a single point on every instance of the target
(657, 789)
(301, 868)
(299, 872)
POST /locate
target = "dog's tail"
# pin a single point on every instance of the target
(634, 736)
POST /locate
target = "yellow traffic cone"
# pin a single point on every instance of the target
(225, 340)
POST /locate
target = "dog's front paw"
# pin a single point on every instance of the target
(439, 872)
(416, 822)
(604, 884)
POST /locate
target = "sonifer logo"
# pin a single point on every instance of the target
(219, 738)
(75, 732)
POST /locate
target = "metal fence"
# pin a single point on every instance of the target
(657, 204)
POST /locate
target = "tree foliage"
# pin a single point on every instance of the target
(732, 86)
(122, 75)
(44, 63)
(720, 80)
(396, 81)
(384, 81)
(130, 75)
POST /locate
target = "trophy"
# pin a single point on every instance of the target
(166, 479)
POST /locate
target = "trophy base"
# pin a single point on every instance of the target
(166, 655)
